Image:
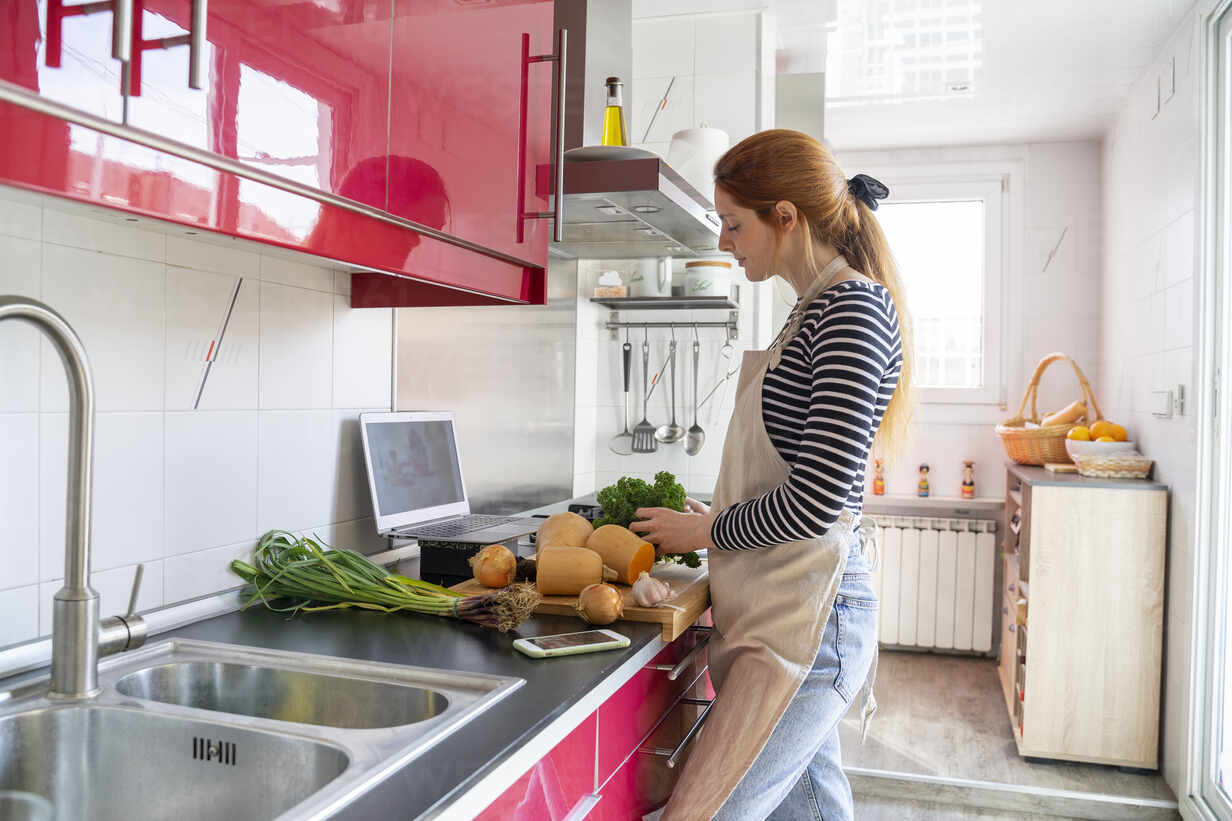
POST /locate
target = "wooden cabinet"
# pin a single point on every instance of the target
(622, 746)
(1085, 583)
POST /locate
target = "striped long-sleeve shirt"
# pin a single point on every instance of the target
(822, 406)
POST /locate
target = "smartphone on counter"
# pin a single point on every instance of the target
(567, 644)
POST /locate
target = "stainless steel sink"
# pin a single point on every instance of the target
(120, 763)
(286, 695)
(189, 729)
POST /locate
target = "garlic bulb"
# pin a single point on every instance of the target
(649, 591)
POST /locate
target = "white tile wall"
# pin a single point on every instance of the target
(296, 347)
(717, 64)
(1147, 338)
(19, 344)
(275, 442)
(600, 377)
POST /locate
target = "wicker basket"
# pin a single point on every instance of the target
(1114, 466)
(1036, 446)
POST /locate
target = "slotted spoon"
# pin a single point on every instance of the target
(643, 431)
(622, 443)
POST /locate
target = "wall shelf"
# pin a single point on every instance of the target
(657, 303)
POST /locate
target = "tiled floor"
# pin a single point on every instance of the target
(944, 717)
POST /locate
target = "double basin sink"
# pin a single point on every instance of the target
(190, 730)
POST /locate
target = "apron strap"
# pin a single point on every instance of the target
(796, 318)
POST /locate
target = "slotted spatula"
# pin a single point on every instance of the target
(643, 431)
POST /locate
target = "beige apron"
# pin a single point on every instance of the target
(770, 606)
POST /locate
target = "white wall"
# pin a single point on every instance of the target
(274, 445)
(1054, 187)
(600, 393)
(1151, 166)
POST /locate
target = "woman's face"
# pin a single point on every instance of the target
(745, 236)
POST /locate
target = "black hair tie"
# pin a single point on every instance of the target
(867, 190)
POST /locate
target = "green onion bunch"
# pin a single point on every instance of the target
(310, 575)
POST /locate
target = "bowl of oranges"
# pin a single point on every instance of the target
(1102, 438)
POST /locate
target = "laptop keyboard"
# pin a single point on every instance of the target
(475, 521)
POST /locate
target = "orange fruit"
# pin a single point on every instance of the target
(1101, 428)
(1118, 433)
(1079, 433)
(1105, 439)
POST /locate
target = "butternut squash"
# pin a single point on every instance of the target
(622, 550)
(563, 530)
(566, 571)
(1070, 413)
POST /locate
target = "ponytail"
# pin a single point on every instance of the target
(780, 164)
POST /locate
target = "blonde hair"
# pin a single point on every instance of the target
(783, 165)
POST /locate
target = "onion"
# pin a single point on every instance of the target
(494, 566)
(600, 604)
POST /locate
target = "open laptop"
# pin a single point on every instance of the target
(416, 481)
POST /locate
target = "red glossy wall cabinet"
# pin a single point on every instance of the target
(294, 100)
(456, 94)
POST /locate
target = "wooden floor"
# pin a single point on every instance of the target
(941, 733)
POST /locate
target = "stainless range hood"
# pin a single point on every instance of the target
(634, 208)
(619, 208)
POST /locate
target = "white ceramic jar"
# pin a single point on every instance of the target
(707, 277)
(652, 277)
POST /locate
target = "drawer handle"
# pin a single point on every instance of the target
(676, 669)
(673, 754)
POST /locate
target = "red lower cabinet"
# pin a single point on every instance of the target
(624, 744)
(551, 788)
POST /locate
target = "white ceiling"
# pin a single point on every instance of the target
(1037, 71)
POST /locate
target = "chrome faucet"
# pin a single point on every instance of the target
(74, 615)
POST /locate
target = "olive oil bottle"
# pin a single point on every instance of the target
(614, 129)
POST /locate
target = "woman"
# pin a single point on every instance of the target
(795, 616)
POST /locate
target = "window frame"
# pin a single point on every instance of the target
(1212, 571)
(991, 189)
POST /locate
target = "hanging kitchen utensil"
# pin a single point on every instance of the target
(726, 352)
(644, 432)
(672, 432)
(622, 443)
(696, 437)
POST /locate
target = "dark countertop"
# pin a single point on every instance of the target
(457, 763)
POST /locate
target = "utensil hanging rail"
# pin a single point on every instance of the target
(732, 324)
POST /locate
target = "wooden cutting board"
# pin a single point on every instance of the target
(690, 590)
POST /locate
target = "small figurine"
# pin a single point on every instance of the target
(923, 486)
(878, 478)
(968, 483)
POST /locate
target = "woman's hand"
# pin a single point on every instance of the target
(674, 532)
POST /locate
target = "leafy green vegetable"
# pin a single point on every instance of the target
(621, 501)
(310, 575)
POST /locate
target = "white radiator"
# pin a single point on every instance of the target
(935, 582)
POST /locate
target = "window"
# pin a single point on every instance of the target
(947, 243)
(1211, 726)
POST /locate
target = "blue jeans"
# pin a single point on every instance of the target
(799, 773)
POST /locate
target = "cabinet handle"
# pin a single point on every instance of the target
(557, 214)
(121, 27)
(122, 31)
(195, 40)
(197, 70)
(684, 742)
(687, 661)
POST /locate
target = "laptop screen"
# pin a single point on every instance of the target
(414, 465)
